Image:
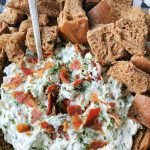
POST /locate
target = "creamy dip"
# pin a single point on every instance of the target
(95, 91)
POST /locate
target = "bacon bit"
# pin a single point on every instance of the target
(35, 114)
(40, 71)
(49, 107)
(95, 144)
(22, 128)
(93, 114)
(76, 122)
(74, 109)
(48, 127)
(29, 100)
(97, 125)
(32, 60)
(52, 88)
(65, 103)
(99, 77)
(19, 96)
(77, 82)
(94, 97)
(64, 76)
(27, 71)
(75, 65)
(65, 126)
(14, 82)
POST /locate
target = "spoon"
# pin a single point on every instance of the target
(36, 29)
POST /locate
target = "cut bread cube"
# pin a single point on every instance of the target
(11, 16)
(105, 43)
(49, 7)
(109, 42)
(139, 111)
(48, 39)
(135, 80)
(108, 11)
(15, 47)
(73, 23)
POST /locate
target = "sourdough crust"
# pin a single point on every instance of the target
(73, 23)
(141, 139)
(48, 37)
(136, 80)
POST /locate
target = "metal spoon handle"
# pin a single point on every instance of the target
(36, 29)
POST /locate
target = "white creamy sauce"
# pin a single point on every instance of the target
(118, 137)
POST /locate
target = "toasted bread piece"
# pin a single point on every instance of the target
(3, 27)
(43, 21)
(72, 22)
(134, 35)
(136, 80)
(11, 16)
(141, 62)
(49, 7)
(108, 11)
(142, 140)
(108, 41)
(139, 111)
(48, 37)
(15, 47)
(105, 43)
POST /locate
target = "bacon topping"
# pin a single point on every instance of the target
(22, 128)
(92, 116)
(74, 109)
(26, 71)
(76, 122)
(19, 96)
(48, 127)
(77, 82)
(95, 144)
(35, 115)
(75, 65)
(49, 107)
(64, 76)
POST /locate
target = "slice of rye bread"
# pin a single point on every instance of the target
(26, 24)
(48, 39)
(73, 22)
(141, 140)
(135, 80)
(108, 41)
(11, 16)
(108, 11)
(15, 47)
(141, 62)
(139, 111)
(49, 7)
